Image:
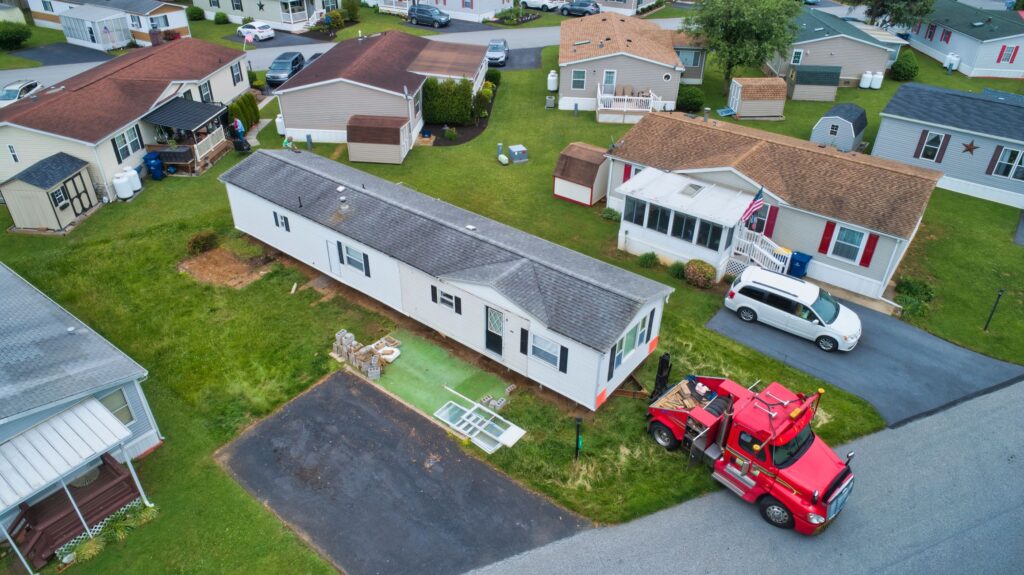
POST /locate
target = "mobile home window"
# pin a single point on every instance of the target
(579, 79)
(59, 196)
(47, 5)
(236, 5)
(709, 235)
(657, 218)
(205, 94)
(798, 56)
(446, 299)
(236, 73)
(14, 153)
(329, 5)
(683, 226)
(689, 58)
(1010, 164)
(127, 143)
(158, 22)
(214, 3)
(931, 146)
(354, 258)
(117, 403)
(634, 212)
(1006, 54)
(930, 33)
(136, 22)
(833, 130)
(761, 218)
(545, 350)
(847, 243)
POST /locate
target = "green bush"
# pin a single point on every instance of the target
(195, 13)
(611, 214)
(728, 279)
(488, 86)
(905, 67)
(677, 270)
(202, 241)
(648, 260)
(488, 93)
(493, 76)
(253, 76)
(450, 134)
(220, 18)
(912, 307)
(699, 273)
(448, 102)
(249, 109)
(248, 19)
(351, 10)
(915, 288)
(690, 99)
(13, 35)
(258, 85)
(480, 102)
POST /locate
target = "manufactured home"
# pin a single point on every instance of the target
(110, 24)
(983, 43)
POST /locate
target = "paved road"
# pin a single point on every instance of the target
(529, 37)
(62, 53)
(903, 371)
(939, 495)
(280, 40)
(381, 490)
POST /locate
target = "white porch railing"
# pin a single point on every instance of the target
(207, 144)
(400, 7)
(610, 101)
(299, 15)
(754, 248)
(315, 18)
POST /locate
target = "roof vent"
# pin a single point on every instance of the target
(343, 204)
(581, 43)
(691, 189)
(600, 44)
(341, 188)
(71, 330)
(819, 29)
(977, 24)
(471, 227)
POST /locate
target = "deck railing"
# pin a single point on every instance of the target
(400, 7)
(207, 144)
(607, 100)
(760, 250)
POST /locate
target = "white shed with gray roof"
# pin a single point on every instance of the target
(569, 322)
(841, 127)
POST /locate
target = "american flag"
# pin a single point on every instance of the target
(756, 204)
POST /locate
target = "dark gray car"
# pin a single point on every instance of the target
(581, 8)
(428, 16)
(497, 52)
(284, 67)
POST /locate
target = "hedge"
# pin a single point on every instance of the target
(13, 35)
(690, 99)
(220, 18)
(448, 102)
(905, 67)
(699, 273)
(195, 13)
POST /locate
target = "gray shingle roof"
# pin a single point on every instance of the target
(184, 114)
(40, 361)
(50, 171)
(851, 113)
(963, 18)
(984, 113)
(815, 25)
(582, 298)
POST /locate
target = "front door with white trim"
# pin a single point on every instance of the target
(494, 330)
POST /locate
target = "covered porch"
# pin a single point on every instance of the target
(62, 481)
(189, 135)
(400, 7)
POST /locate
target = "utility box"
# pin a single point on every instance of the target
(518, 154)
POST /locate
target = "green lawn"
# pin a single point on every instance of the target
(369, 23)
(668, 11)
(40, 37)
(546, 19)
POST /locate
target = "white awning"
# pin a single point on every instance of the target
(39, 456)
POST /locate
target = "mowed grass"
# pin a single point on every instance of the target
(546, 19)
(369, 23)
(669, 11)
(40, 37)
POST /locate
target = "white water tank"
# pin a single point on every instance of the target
(123, 186)
(552, 81)
(279, 122)
(133, 178)
(865, 80)
(876, 80)
(952, 61)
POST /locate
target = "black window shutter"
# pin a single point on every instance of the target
(366, 265)
(563, 360)
(433, 294)
(650, 326)
(117, 152)
(277, 222)
(287, 228)
(341, 253)
(611, 363)
(138, 134)
(458, 305)
(524, 341)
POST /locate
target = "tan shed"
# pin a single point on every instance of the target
(378, 139)
(581, 174)
(757, 98)
(52, 194)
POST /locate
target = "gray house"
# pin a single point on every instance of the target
(987, 42)
(975, 139)
(72, 417)
(842, 127)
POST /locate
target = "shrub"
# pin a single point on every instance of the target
(248, 19)
(195, 13)
(13, 35)
(351, 9)
(728, 278)
(480, 102)
(611, 214)
(699, 273)
(493, 76)
(677, 270)
(258, 85)
(337, 19)
(690, 99)
(448, 102)
(171, 35)
(253, 76)
(915, 288)
(220, 18)
(488, 93)
(912, 307)
(450, 134)
(488, 86)
(905, 67)
(89, 549)
(202, 241)
(648, 260)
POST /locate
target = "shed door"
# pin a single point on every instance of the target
(734, 97)
(75, 188)
(495, 328)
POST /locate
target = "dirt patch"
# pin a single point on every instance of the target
(222, 268)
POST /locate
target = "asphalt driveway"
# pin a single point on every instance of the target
(456, 26)
(280, 40)
(380, 490)
(523, 59)
(903, 371)
(62, 53)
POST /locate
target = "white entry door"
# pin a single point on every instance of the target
(734, 96)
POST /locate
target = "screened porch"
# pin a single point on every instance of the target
(96, 27)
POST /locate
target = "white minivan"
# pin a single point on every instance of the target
(794, 305)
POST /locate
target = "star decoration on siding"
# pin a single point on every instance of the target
(970, 147)
(260, 6)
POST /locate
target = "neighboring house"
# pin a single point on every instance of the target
(988, 42)
(110, 115)
(976, 140)
(72, 412)
(467, 10)
(682, 185)
(378, 75)
(757, 98)
(581, 174)
(109, 24)
(624, 7)
(813, 83)
(692, 55)
(573, 324)
(826, 40)
(842, 127)
(618, 66)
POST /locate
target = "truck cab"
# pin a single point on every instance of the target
(760, 445)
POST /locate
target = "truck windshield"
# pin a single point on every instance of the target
(786, 454)
(826, 307)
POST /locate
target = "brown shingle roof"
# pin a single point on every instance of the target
(685, 40)
(100, 101)
(579, 163)
(879, 194)
(390, 61)
(762, 88)
(375, 129)
(609, 33)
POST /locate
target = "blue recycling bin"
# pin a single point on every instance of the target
(798, 263)
(154, 165)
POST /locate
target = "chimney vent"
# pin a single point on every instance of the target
(707, 114)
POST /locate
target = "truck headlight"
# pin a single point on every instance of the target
(815, 519)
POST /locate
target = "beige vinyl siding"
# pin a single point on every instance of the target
(34, 146)
(329, 106)
(638, 74)
(760, 108)
(377, 153)
(220, 84)
(32, 207)
(812, 93)
(853, 56)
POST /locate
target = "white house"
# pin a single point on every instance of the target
(569, 322)
(109, 24)
(987, 43)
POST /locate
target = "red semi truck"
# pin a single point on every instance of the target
(760, 445)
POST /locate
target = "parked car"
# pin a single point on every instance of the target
(580, 8)
(283, 67)
(17, 90)
(497, 52)
(795, 306)
(428, 16)
(544, 5)
(260, 30)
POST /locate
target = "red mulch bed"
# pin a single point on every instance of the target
(464, 133)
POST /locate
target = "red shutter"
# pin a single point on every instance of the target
(826, 238)
(992, 163)
(627, 172)
(869, 250)
(769, 224)
(1014, 55)
(1002, 51)
(920, 143)
(942, 149)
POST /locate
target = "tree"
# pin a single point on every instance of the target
(745, 33)
(887, 13)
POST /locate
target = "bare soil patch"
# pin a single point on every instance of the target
(222, 268)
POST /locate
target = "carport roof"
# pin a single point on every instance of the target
(184, 114)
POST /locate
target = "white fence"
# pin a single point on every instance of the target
(207, 144)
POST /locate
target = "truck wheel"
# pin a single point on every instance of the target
(826, 343)
(663, 436)
(746, 314)
(776, 513)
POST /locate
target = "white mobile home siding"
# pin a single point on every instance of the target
(304, 111)
(855, 58)
(977, 58)
(640, 75)
(844, 140)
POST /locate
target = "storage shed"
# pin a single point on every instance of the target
(581, 174)
(814, 83)
(758, 98)
(842, 127)
(52, 194)
(378, 139)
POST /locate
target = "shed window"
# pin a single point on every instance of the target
(1010, 164)
(709, 235)
(658, 217)
(833, 130)
(798, 56)
(689, 58)
(136, 22)
(354, 258)
(634, 212)
(579, 79)
(158, 22)
(59, 196)
(205, 94)
(117, 403)
(545, 350)
(14, 153)
(848, 243)
(932, 143)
